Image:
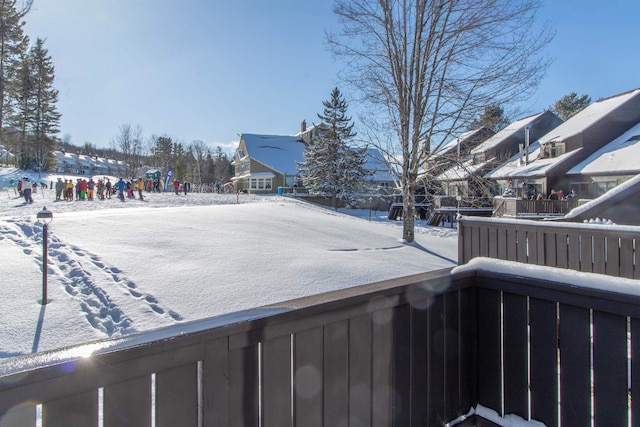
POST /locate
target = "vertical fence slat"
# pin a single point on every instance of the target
(76, 411)
(489, 350)
(573, 242)
(586, 253)
(308, 375)
(562, 247)
(382, 355)
(419, 357)
(626, 258)
(516, 399)
(503, 235)
(243, 387)
(276, 382)
(436, 355)
(612, 267)
(599, 255)
(359, 371)
(550, 255)
(493, 242)
(610, 369)
(452, 356)
(521, 246)
(177, 396)
(544, 361)
(22, 415)
(635, 372)
(215, 382)
(336, 392)
(512, 237)
(468, 348)
(401, 366)
(128, 403)
(575, 370)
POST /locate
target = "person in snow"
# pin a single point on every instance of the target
(91, 185)
(140, 188)
(26, 191)
(176, 187)
(121, 186)
(59, 189)
(108, 188)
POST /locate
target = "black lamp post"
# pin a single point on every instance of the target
(45, 217)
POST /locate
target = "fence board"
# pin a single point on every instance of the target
(401, 398)
(586, 253)
(468, 347)
(359, 371)
(452, 355)
(308, 375)
(215, 383)
(575, 380)
(516, 399)
(75, 411)
(522, 246)
(489, 350)
(336, 356)
(21, 415)
(627, 257)
(613, 256)
(573, 251)
(543, 361)
(635, 372)
(177, 396)
(550, 255)
(382, 355)
(599, 255)
(610, 369)
(493, 242)
(128, 403)
(276, 378)
(503, 236)
(243, 387)
(436, 357)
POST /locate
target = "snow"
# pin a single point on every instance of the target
(116, 268)
(513, 128)
(509, 420)
(620, 155)
(613, 194)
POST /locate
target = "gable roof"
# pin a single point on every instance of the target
(514, 128)
(278, 152)
(375, 163)
(588, 117)
(617, 157)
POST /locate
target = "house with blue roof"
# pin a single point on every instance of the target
(263, 163)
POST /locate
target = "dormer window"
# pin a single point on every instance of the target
(551, 150)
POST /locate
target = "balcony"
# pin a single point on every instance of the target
(547, 343)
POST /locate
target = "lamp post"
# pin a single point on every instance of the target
(45, 217)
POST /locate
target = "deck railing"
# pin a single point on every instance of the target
(606, 249)
(514, 207)
(420, 350)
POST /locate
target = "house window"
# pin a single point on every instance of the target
(260, 183)
(552, 150)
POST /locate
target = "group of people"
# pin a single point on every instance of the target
(559, 195)
(84, 189)
(510, 191)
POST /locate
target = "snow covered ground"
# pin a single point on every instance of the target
(116, 268)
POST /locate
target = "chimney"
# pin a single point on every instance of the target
(303, 126)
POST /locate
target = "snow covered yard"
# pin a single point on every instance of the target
(121, 267)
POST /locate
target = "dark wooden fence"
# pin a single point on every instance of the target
(415, 351)
(605, 249)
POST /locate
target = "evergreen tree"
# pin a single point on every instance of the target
(45, 119)
(570, 105)
(330, 166)
(492, 118)
(13, 47)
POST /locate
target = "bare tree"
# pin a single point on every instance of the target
(129, 141)
(432, 65)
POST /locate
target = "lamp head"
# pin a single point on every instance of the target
(45, 215)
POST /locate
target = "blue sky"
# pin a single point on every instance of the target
(212, 69)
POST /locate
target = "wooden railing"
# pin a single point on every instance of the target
(514, 207)
(606, 249)
(415, 351)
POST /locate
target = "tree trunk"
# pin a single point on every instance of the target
(408, 203)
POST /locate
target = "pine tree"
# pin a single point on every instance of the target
(330, 166)
(570, 105)
(492, 118)
(45, 119)
(13, 50)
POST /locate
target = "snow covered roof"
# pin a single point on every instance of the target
(463, 170)
(509, 131)
(279, 152)
(588, 117)
(463, 138)
(620, 156)
(536, 167)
